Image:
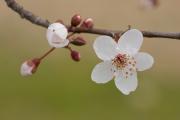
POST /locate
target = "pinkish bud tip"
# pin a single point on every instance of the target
(75, 55)
(78, 41)
(88, 23)
(29, 67)
(76, 20)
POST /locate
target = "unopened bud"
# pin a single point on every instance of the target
(78, 41)
(75, 55)
(88, 23)
(76, 20)
(29, 67)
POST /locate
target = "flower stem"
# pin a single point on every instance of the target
(70, 34)
(47, 53)
(53, 48)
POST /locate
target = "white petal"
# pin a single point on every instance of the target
(126, 85)
(62, 33)
(26, 69)
(56, 35)
(102, 72)
(105, 47)
(131, 41)
(58, 42)
(144, 61)
(57, 28)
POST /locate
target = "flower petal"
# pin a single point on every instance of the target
(131, 41)
(105, 47)
(126, 85)
(26, 69)
(58, 42)
(144, 61)
(62, 33)
(56, 35)
(102, 72)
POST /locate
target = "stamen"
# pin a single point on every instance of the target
(120, 61)
(124, 63)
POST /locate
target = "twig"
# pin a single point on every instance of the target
(45, 23)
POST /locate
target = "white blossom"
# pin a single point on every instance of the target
(121, 60)
(149, 4)
(57, 35)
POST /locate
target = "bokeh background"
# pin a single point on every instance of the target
(62, 89)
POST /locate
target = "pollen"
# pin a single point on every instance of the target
(125, 63)
(120, 61)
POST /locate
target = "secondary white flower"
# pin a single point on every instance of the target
(57, 35)
(121, 60)
(149, 4)
(29, 67)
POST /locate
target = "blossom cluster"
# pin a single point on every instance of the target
(121, 59)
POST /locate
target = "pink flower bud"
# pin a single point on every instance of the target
(88, 23)
(29, 67)
(75, 55)
(78, 41)
(76, 20)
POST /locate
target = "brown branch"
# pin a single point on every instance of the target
(26, 14)
(45, 23)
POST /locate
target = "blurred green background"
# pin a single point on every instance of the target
(62, 89)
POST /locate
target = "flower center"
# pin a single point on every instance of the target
(120, 61)
(125, 63)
